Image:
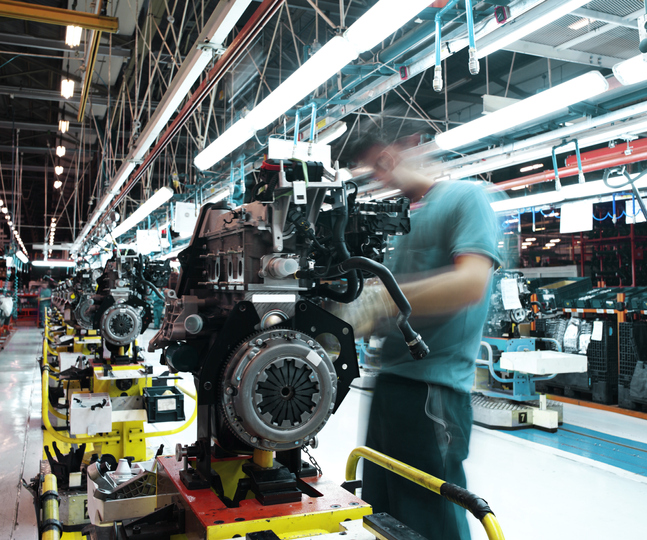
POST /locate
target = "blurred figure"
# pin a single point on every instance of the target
(44, 301)
(421, 412)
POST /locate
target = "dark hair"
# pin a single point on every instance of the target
(360, 147)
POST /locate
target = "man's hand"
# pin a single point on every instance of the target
(367, 312)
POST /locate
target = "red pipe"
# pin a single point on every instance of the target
(594, 160)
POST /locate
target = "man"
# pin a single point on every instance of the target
(44, 301)
(421, 412)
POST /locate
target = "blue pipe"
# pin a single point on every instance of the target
(473, 60)
(296, 127)
(313, 121)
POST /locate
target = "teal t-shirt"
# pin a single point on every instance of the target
(454, 218)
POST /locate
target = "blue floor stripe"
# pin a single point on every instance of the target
(622, 453)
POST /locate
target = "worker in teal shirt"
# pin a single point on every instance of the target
(421, 412)
(44, 302)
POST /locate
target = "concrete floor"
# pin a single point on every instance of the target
(22, 440)
(537, 492)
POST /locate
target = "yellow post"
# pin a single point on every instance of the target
(263, 458)
(49, 501)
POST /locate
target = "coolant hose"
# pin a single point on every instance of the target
(417, 347)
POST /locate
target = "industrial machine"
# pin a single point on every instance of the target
(248, 322)
(514, 358)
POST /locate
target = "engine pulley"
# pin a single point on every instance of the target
(278, 389)
(121, 324)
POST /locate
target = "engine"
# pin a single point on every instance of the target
(73, 298)
(510, 304)
(247, 317)
(119, 308)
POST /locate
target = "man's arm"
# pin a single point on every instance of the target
(464, 284)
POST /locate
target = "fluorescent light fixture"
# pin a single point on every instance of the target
(60, 151)
(379, 22)
(578, 25)
(578, 89)
(58, 170)
(531, 239)
(631, 71)
(327, 61)
(524, 247)
(58, 183)
(55, 263)
(332, 133)
(158, 199)
(556, 240)
(531, 167)
(525, 24)
(219, 196)
(73, 36)
(67, 88)
(63, 125)
(573, 192)
(22, 257)
(384, 18)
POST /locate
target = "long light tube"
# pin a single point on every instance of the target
(73, 36)
(158, 199)
(67, 88)
(631, 71)
(561, 96)
(573, 192)
(55, 263)
(377, 23)
(381, 21)
(22, 257)
(332, 133)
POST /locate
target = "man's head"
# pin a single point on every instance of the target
(388, 164)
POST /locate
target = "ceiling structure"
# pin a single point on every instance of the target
(134, 136)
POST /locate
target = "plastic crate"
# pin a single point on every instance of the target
(603, 355)
(555, 294)
(164, 404)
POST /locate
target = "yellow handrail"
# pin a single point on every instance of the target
(183, 426)
(445, 489)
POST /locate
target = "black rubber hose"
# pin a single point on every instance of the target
(417, 347)
(478, 507)
(153, 288)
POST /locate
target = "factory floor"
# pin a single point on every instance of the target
(583, 484)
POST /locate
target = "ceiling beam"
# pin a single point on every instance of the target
(21, 40)
(604, 17)
(575, 57)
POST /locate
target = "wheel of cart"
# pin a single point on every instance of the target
(456, 494)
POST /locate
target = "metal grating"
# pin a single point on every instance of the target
(621, 8)
(621, 42)
(558, 32)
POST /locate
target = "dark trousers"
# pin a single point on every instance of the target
(428, 427)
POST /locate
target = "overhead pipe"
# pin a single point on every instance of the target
(595, 160)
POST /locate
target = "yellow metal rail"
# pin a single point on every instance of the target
(49, 498)
(62, 17)
(451, 492)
